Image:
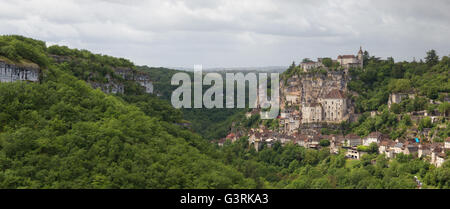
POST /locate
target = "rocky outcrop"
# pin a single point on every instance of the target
(115, 83)
(314, 86)
(10, 73)
(145, 81)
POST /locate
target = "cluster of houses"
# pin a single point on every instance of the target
(435, 153)
(313, 101)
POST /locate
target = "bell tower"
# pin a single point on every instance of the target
(360, 56)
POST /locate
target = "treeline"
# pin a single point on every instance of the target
(19, 49)
(379, 78)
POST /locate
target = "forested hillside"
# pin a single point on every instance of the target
(210, 123)
(62, 133)
(428, 79)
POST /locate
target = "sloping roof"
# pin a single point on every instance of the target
(374, 135)
(352, 136)
(231, 135)
(346, 56)
(335, 94)
(388, 142)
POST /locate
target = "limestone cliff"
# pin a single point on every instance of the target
(12, 72)
(113, 82)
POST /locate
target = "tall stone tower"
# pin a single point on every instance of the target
(360, 56)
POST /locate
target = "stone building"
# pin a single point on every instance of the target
(310, 65)
(311, 113)
(348, 61)
(371, 138)
(396, 98)
(335, 106)
(353, 153)
(331, 108)
(352, 140)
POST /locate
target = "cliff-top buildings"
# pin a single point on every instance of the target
(345, 61)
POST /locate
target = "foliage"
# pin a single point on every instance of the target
(78, 137)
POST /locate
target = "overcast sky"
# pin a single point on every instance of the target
(240, 33)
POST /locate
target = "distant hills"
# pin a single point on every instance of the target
(274, 69)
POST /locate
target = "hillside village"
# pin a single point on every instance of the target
(319, 98)
(316, 98)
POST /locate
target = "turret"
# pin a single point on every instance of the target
(360, 56)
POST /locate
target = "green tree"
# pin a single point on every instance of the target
(432, 58)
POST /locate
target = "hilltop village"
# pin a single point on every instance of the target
(318, 99)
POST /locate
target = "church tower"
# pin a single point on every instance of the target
(360, 56)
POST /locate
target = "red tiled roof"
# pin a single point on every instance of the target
(335, 94)
(346, 56)
(231, 135)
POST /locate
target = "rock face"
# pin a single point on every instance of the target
(145, 81)
(129, 74)
(10, 73)
(115, 83)
(314, 86)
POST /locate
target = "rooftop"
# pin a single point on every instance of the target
(335, 94)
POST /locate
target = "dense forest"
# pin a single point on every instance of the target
(61, 133)
(209, 123)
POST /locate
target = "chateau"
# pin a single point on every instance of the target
(331, 108)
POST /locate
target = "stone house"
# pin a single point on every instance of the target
(335, 106)
(410, 149)
(395, 98)
(293, 95)
(311, 113)
(310, 65)
(424, 150)
(353, 153)
(352, 140)
(437, 154)
(336, 142)
(398, 148)
(372, 137)
(386, 147)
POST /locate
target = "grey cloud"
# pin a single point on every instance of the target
(233, 33)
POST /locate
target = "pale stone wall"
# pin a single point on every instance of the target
(311, 114)
(11, 73)
(335, 109)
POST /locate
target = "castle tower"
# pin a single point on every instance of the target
(360, 56)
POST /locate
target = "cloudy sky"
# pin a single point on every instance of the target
(242, 33)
